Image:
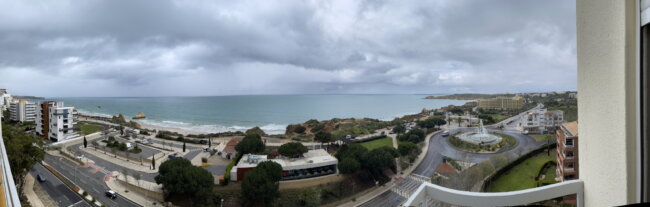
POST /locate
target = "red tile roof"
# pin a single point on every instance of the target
(230, 146)
(445, 168)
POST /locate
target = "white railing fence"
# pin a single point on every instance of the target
(428, 192)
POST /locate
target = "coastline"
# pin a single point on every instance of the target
(184, 132)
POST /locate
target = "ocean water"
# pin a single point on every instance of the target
(272, 113)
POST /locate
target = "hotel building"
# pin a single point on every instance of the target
(22, 111)
(567, 151)
(502, 103)
(55, 121)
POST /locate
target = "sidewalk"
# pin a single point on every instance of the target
(28, 189)
(133, 165)
(134, 196)
(370, 195)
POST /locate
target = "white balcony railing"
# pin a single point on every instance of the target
(7, 180)
(428, 193)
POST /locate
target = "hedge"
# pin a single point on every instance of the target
(519, 160)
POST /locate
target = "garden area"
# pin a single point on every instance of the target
(542, 137)
(386, 141)
(88, 128)
(535, 171)
(121, 146)
(507, 141)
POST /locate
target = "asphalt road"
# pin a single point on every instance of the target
(90, 179)
(60, 193)
(439, 148)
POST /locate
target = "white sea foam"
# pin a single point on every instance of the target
(84, 112)
(212, 128)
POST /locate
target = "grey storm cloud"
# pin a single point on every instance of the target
(171, 48)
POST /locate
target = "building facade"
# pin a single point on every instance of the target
(55, 122)
(314, 163)
(5, 99)
(567, 151)
(541, 121)
(502, 103)
(22, 111)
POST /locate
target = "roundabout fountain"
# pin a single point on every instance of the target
(480, 137)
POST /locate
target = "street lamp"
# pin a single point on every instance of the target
(222, 202)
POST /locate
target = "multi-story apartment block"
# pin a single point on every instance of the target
(5, 99)
(502, 103)
(567, 151)
(541, 121)
(55, 121)
(22, 111)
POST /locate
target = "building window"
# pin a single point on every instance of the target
(569, 165)
(569, 142)
(569, 155)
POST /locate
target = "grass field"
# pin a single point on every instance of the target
(524, 174)
(542, 137)
(497, 118)
(378, 143)
(86, 128)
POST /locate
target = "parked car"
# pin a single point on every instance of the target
(206, 149)
(129, 145)
(40, 178)
(170, 156)
(111, 194)
(203, 142)
(445, 133)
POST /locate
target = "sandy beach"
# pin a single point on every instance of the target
(171, 129)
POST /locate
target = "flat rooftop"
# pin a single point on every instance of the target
(313, 158)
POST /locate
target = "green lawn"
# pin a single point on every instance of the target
(542, 137)
(378, 143)
(86, 128)
(497, 118)
(523, 175)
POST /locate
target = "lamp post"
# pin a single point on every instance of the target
(222, 202)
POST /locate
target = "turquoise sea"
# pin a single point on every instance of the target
(270, 112)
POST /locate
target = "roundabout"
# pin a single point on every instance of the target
(481, 137)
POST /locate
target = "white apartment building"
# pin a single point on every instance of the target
(22, 111)
(540, 121)
(55, 121)
(5, 99)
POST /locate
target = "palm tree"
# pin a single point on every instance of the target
(127, 153)
(136, 176)
(126, 177)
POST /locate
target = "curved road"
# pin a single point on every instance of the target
(439, 148)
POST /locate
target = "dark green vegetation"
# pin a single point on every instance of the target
(182, 179)
(337, 127)
(414, 136)
(221, 134)
(371, 162)
(409, 150)
(466, 96)
(506, 141)
(526, 174)
(251, 143)
(292, 149)
(256, 130)
(433, 122)
(543, 137)
(119, 119)
(88, 128)
(175, 137)
(23, 150)
(260, 185)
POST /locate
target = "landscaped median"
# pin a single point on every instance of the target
(71, 185)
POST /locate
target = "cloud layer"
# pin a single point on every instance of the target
(190, 48)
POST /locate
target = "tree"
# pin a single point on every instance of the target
(183, 146)
(127, 153)
(376, 160)
(153, 162)
(126, 176)
(94, 143)
(406, 148)
(85, 142)
(23, 152)
(178, 176)
(354, 151)
(114, 151)
(251, 143)
(260, 185)
(399, 129)
(323, 137)
(292, 149)
(349, 166)
(256, 130)
(136, 176)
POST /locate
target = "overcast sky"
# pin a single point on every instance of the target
(196, 48)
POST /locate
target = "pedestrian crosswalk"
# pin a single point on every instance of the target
(92, 168)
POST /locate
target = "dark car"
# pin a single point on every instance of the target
(40, 178)
(203, 142)
(111, 194)
(170, 156)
